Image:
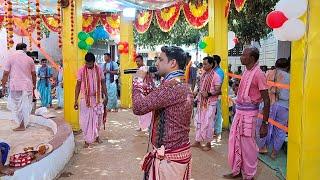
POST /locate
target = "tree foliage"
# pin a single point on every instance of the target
(250, 23)
(181, 34)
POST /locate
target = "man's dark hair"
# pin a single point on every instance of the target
(254, 52)
(188, 55)
(29, 53)
(139, 56)
(210, 60)
(174, 52)
(217, 59)
(90, 57)
(42, 60)
(282, 63)
(107, 54)
(21, 46)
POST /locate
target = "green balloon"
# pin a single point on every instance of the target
(82, 45)
(88, 47)
(202, 45)
(83, 35)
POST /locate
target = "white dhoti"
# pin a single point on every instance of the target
(20, 104)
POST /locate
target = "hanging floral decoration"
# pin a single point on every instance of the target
(143, 21)
(30, 23)
(111, 22)
(196, 13)
(239, 4)
(167, 17)
(123, 47)
(26, 22)
(38, 22)
(1, 20)
(72, 5)
(51, 22)
(9, 24)
(227, 9)
(89, 22)
(59, 24)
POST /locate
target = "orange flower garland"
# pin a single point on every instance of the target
(72, 22)
(30, 23)
(196, 14)
(168, 17)
(59, 21)
(9, 25)
(38, 21)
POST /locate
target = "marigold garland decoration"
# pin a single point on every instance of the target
(23, 22)
(239, 4)
(111, 22)
(167, 17)
(59, 24)
(72, 5)
(227, 9)
(196, 14)
(38, 22)
(9, 24)
(89, 22)
(143, 21)
(1, 20)
(29, 18)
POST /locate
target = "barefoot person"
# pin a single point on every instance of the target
(144, 120)
(4, 151)
(92, 88)
(209, 91)
(20, 69)
(172, 104)
(242, 148)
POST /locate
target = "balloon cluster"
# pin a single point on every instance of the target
(86, 41)
(100, 34)
(284, 20)
(207, 45)
(123, 47)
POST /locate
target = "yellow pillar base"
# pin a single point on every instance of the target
(218, 29)
(303, 147)
(72, 58)
(126, 62)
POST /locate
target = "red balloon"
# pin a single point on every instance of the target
(276, 19)
(126, 44)
(125, 51)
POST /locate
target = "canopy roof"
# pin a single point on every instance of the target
(20, 7)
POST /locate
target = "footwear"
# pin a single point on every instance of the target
(231, 176)
(196, 144)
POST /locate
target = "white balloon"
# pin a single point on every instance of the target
(292, 8)
(116, 38)
(231, 36)
(279, 34)
(293, 29)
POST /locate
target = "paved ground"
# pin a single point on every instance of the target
(123, 148)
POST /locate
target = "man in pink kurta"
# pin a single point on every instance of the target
(210, 89)
(91, 88)
(20, 69)
(243, 150)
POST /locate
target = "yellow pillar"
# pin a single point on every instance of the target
(303, 146)
(218, 29)
(72, 58)
(126, 61)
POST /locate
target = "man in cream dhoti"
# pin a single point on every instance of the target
(20, 69)
(243, 150)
